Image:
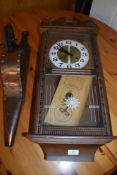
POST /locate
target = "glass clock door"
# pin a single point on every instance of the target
(71, 101)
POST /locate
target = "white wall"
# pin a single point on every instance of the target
(105, 11)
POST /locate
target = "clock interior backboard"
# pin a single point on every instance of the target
(87, 107)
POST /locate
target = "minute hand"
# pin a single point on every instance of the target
(64, 50)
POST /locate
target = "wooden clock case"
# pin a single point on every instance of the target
(57, 141)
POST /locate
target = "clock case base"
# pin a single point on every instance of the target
(56, 152)
(55, 147)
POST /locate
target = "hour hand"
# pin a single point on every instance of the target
(64, 50)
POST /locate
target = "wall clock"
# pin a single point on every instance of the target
(69, 113)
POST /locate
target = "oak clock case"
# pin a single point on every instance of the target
(69, 113)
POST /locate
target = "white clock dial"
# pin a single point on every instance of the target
(69, 54)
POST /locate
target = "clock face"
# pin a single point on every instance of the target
(69, 54)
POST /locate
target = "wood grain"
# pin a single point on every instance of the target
(26, 158)
(9, 7)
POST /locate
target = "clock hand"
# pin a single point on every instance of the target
(64, 50)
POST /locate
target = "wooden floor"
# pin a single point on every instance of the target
(26, 158)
